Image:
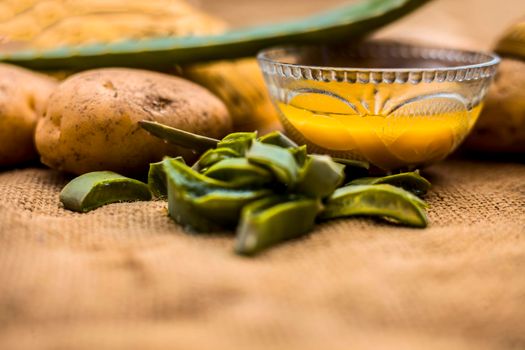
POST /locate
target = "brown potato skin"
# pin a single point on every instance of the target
(501, 125)
(91, 122)
(23, 97)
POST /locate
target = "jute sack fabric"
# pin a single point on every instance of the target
(126, 276)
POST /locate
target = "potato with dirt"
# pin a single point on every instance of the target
(23, 98)
(91, 122)
(501, 125)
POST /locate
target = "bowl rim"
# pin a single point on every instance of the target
(489, 60)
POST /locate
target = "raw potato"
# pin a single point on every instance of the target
(91, 120)
(55, 23)
(501, 125)
(23, 96)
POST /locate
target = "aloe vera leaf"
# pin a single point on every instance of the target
(203, 204)
(239, 142)
(179, 137)
(352, 163)
(320, 176)
(354, 168)
(280, 161)
(347, 22)
(273, 219)
(157, 178)
(300, 154)
(377, 200)
(225, 208)
(239, 171)
(197, 183)
(92, 190)
(277, 138)
(212, 156)
(410, 181)
(215, 211)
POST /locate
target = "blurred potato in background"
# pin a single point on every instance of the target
(468, 24)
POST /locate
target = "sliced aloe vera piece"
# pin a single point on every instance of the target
(215, 211)
(377, 200)
(213, 156)
(300, 153)
(277, 138)
(352, 163)
(195, 182)
(95, 189)
(353, 168)
(280, 161)
(273, 219)
(179, 137)
(239, 171)
(320, 176)
(344, 23)
(410, 181)
(239, 142)
(203, 204)
(157, 178)
(224, 208)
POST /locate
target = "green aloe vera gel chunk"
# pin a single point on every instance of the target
(224, 207)
(377, 200)
(211, 212)
(299, 154)
(157, 178)
(95, 189)
(273, 219)
(179, 137)
(213, 156)
(203, 204)
(239, 142)
(280, 161)
(277, 138)
(239, 171)
(320, 176)
(353, 168)
(410, 181)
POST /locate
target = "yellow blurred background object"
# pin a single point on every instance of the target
(55, 23)
(468, 24)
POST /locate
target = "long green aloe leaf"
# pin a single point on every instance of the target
(343, 23)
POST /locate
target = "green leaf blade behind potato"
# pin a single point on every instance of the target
(376, 200)
(346, 23)
(271, 220)
(92, 190)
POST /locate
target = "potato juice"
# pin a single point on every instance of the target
(363, 121)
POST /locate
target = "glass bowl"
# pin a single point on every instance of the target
(394, 105)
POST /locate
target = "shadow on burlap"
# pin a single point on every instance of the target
(126, 277)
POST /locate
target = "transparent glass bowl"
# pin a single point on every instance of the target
(397, 106)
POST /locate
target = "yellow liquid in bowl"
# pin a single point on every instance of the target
(408, 136)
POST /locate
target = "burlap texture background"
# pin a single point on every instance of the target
(126, 277)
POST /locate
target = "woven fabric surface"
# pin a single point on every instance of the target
(125, 276)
